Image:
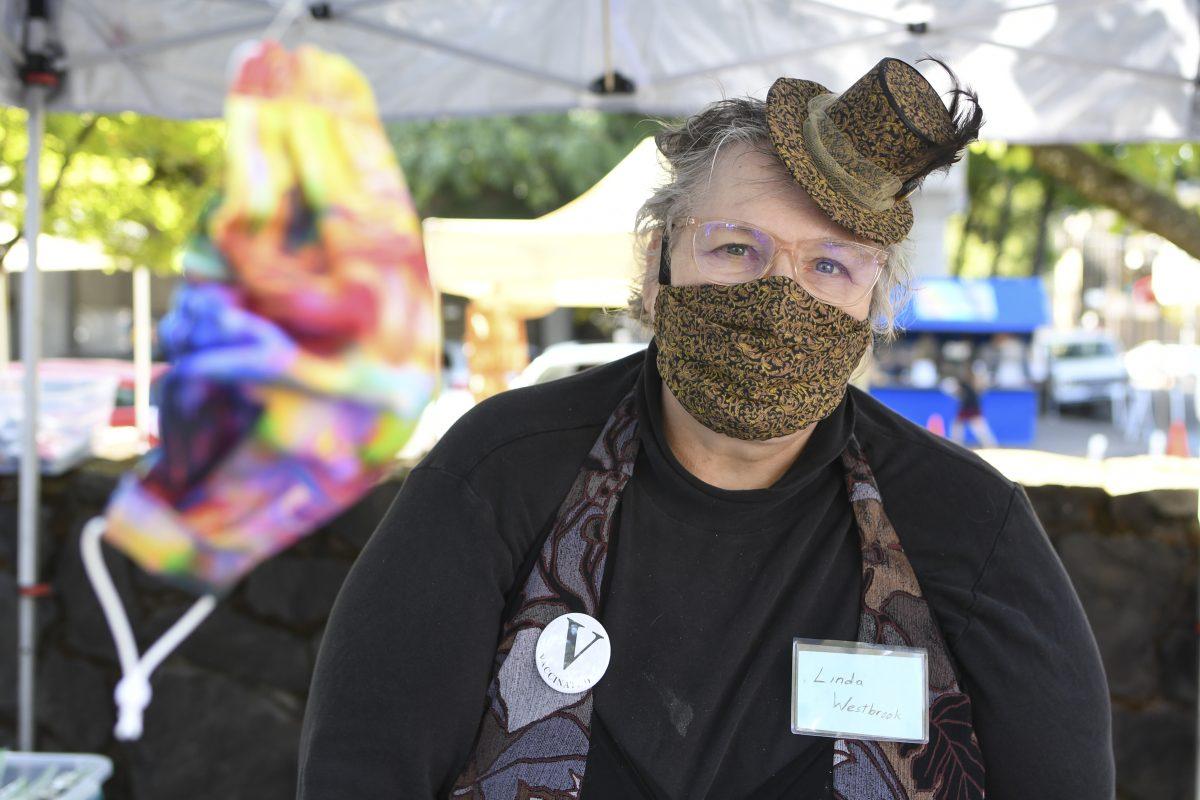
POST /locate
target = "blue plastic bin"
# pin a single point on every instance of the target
(79, 776)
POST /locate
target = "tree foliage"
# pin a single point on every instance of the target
(511, 167)
(137, 184)
(1014, 203)
(134, 184)
(1097, 179)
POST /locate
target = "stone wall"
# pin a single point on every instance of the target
(1133, 561)
(227, 709)
(225, 718)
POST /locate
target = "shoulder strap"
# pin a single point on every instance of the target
(533, 741)
(894, 611)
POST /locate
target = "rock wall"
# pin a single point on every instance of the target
(227, 709)
(225, 718)
(1133, 561)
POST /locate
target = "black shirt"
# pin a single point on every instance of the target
(764, 566)
(708, 590)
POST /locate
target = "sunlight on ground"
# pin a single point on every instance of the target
(1114, 475)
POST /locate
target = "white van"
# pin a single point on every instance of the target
(1078, 366)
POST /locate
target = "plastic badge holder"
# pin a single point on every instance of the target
(53, 776)
(907, 669)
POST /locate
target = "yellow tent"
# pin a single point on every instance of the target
(581, 255)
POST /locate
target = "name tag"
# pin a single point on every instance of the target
(859, 691)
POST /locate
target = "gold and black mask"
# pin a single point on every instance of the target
(755, 360)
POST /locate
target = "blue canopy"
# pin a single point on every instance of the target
(991, 305)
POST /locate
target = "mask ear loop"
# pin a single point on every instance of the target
(133, 690)
(285, 18)
(664, 259)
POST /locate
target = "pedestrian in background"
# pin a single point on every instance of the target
(970, 411)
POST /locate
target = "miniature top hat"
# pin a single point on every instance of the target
(861, 153)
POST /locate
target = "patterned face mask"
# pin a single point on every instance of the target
(755, 360)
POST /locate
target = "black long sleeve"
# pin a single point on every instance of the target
(400, 684)
(1032, 669)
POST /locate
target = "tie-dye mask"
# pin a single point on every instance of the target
(303, 338)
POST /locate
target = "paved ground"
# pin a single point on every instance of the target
(1068, 433)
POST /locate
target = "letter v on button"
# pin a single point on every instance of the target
(581, 645)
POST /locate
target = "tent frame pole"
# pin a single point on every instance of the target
(5, 344)
(141, 350)
(411, 37)
(255, 25)
(1193, 131)
(30, 477)
(610, 80)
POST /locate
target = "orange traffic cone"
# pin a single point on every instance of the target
(1177, 439)
(936, 424)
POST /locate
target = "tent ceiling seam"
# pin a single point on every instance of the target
(705, 71)
(260, 23)
(1083, 62)
(995, 16)
(106, 36)
(850, 12)
(85, 60)
(392, 32)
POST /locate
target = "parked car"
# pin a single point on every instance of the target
(1079, 367)
(567, 358)
(455, 398)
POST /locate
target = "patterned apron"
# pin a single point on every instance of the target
(533, 741)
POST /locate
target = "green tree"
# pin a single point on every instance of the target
(1017, 193)
(1136, 195)
(134, 184)
(511, 167)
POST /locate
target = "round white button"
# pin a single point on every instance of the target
(572, 653)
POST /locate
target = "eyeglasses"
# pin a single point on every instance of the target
(837, 272)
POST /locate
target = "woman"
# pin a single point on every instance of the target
(595, 587)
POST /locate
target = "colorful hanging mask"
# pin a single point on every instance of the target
(302, 339)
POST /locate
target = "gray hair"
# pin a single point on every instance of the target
(691, 149)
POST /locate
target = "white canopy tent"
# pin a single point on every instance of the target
(1047, 70)
(523, 260)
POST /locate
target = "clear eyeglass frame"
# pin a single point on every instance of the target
(781, 245)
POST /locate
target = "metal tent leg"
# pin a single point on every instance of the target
(30, 477)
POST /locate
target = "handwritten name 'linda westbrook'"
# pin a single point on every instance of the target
(848, 704)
